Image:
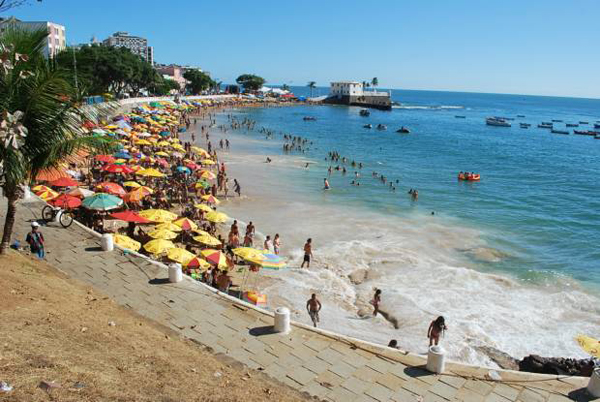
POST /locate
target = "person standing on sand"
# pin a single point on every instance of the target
(313, 306)
(376, 301)
(276, 244)
(267, 244)
(35, 239)
(237, 188)
(307, 254)
(436, 328)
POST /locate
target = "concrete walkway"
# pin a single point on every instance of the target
(330, 367)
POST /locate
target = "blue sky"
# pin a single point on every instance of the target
(545, 47)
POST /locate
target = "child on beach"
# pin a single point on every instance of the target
(436, 328)
(376, 301)
(276, 244)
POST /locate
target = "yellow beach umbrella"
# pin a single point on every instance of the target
(200, 151)
(205, 174)
(143, 142)
(163, 144)
(207, 162)
(150, 172)
(40, 188)
(158, 215)
(126, 242)
(161, 153)
(249, 254)
(186, 224)
(132, 184)
(211, 199)
(197, 262)
(203, 207)
(168, 226)
(47, 195)
(158, 246)
(162, 234)
(216, 217)
(207, 239)
(179, 255)
(589, 345)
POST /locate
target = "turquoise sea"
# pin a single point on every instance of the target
(533, 219)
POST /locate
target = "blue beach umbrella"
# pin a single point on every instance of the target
(184, 169)
(122, 155)
(102, 202)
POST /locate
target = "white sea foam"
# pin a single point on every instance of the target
(423, 264)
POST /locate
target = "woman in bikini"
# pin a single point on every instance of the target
(436, 328)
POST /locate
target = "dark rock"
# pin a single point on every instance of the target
(556, 365)
(502, 359)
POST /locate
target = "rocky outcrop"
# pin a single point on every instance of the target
(502, 359)
(557, 365)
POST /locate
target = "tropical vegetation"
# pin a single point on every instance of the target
(312, 85)
(42, 119)
(250, 82)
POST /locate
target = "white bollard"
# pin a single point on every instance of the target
(175, 273)
(107, 242)
(436, 359)
(282, 320)
(594, 384)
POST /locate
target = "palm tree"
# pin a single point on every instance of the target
(285, 87)
(312, 85)
(374, 82)
(41, 123)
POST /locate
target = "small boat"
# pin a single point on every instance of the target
(544, 125)
(497, 121)
(583, 122)
(557, 121)
(309, 118)
(597, 137)
(381, 127)
(596, 125)
(585, 132)
(469, 177)
(460, 117)
(525, 125)
(572, 125)
(547, 123)
(364, 113)
(553, 131)
(520, 115)
(403, 130)
(367, 126)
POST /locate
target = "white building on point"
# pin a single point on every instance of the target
(346, 88)
(56, 40)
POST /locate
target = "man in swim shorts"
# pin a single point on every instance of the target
(307, 254)
(313, 306)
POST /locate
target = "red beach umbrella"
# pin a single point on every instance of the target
(66, 201)
(130, 216)
(105, 158)
(111, 188)
(64, 182)
(118, 169)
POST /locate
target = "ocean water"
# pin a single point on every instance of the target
(512, 261)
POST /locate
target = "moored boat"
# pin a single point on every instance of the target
(572, 125)
(364, 113)
(496, 121)
(559, 132)
(381, 127)
(544, 125)
(583, 122)
(460, 117)
(557, 121)
(368, 126)
(586, 132)
(524, 125)
(403, 130)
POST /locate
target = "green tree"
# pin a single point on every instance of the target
(103, 69)
(164, 87)
(42, 123)
(250, 82)
(285, 87)
(312, 85)
(374, 82)
(198, 81)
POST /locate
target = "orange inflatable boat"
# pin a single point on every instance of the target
(469, 177)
